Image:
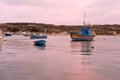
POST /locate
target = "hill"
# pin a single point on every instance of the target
(51, 28)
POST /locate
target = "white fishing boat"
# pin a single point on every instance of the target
(1, 35)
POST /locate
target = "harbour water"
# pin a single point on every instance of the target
(60, 59)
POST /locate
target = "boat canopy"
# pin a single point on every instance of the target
(86, 31)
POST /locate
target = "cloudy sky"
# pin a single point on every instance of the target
(60, 12)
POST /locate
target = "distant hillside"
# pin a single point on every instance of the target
(50, 28)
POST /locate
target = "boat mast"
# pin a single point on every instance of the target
(84, 19)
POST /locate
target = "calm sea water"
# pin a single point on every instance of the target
(60, 59)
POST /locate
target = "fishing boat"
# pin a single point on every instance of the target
(8, 34)
(39, 42)
(1, 35)
(38, 37)
(85, 35)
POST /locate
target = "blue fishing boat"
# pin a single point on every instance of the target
(38, 37)
(85, 35)
(40, 42)
(8, 34)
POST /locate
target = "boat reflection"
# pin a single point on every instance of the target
(85, 47)
(40, 47)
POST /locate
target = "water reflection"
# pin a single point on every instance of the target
(40, 47)
(85, 47)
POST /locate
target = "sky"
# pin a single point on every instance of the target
(60, 12)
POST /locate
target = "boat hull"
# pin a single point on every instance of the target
(8, 34)
(38, 37)
(79, 37)
(40, 42)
